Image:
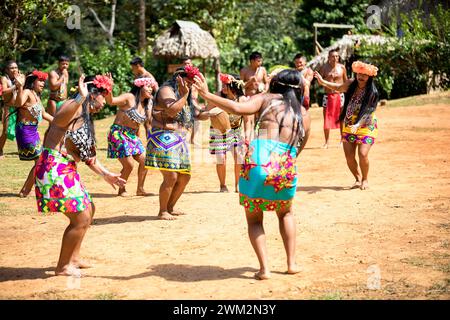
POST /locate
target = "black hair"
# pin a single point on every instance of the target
(136, 91)
(289, 83)
(298, 56)
(63, 58)
(369, 101)
(333, 50)
(236, 86)
(255, 55)
(137, 61)
(29, 81)
(8, 64)
(172, 83)
(185, 58)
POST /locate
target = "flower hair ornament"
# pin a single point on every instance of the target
(42, 76)
(103, 82)
(141, 82)
(191, 72)
(364, 68)
(226, 78)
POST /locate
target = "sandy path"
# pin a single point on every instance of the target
(399, 229)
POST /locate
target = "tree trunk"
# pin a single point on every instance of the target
(142, 35)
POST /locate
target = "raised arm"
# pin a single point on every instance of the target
(66, 113)
(122, 101)
(167, 98)
(22, 94)
(240, 108)
(341, 87)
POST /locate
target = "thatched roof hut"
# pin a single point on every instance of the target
(186, 39)
(346, 47)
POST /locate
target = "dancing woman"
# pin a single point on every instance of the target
(225, 131)
(167, 151)
(268, 178)
(360, 125)
(30, 113)
(70, 139)
(123, 139)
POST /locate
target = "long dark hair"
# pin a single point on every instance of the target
(29, 81)
(369, 101)
(136, 91)
(289, 83)
(92, 90)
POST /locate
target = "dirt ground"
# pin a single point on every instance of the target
(389, 242)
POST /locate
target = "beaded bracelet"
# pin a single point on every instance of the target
(79, 99)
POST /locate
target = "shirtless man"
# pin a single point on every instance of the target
(308, 76)
(9, 98)
(256, 81)
(138, 70)
(58, 81)
(333, 101)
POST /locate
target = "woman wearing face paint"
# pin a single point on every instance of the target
(358, 121)
(70, 139)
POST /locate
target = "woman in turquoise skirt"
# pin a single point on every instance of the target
(268, 177)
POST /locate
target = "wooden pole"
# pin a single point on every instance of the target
(315, 40)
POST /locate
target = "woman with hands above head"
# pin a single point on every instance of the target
(124, 143)
(359, 125)
(173, 114)
(30, 113)
(268, 177)
(70, 139)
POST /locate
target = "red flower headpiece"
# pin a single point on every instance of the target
(191, 72)
(42, 76)
(103, 82)
(226, 78)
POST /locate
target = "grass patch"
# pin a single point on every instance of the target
(106, 296)
(434, 98)
(427, 129)
(440, 287)
(330, 296)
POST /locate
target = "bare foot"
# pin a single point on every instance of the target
(122, 193)
(364, 185)
(293, 269)
(23, 194)
(224, 189)
(166, 216)
(260, 275)
(356, 185)
(68, 270)
(176, 213)
(143, 193)
(81, 264)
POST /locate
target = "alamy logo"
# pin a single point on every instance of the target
(74, 17)
(374, 278)
(374, 20)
